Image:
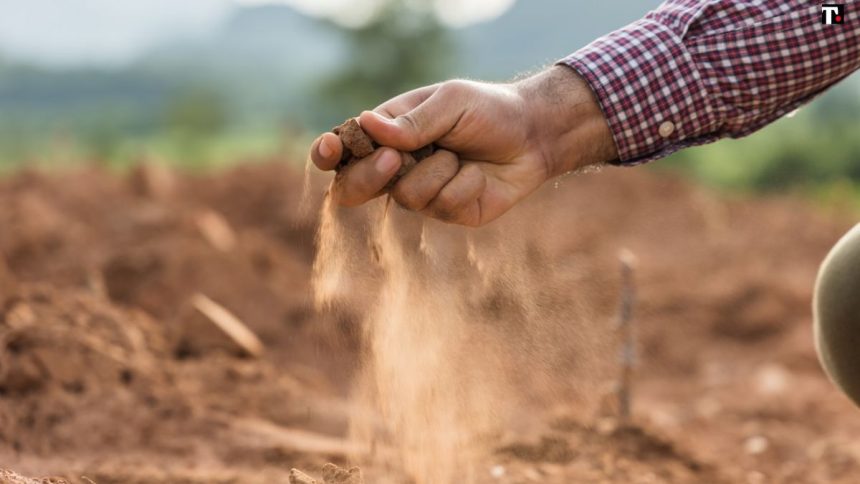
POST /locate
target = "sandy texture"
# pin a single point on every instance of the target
(355, 141)
(98, 275)
(9, 477)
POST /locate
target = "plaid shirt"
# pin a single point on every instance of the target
(694, 71)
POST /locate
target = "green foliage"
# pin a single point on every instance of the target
(203, 104)
(196, 112)
(818, 147)
(403, 47)
(194, 118)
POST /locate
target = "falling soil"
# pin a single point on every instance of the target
(501, 339)
(464, 332)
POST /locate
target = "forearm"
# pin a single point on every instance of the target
(692, 72)
(566, 120)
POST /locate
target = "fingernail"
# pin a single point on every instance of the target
(387, 162)
(324, 149)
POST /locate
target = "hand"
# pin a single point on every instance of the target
(497, 144)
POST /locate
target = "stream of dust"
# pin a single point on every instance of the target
(465, 332)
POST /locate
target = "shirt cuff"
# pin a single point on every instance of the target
(650, 90)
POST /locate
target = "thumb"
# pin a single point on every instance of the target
(423, 125)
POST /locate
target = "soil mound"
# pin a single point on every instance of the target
(104, 373)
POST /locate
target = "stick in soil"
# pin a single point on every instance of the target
(628, 336)
(232, 327)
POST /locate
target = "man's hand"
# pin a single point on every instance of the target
(497, 144)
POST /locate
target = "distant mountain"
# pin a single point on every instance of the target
(535, 33)
(265, 63)
(260, 58)
(257, 41)
(265, 57)
(100, 33)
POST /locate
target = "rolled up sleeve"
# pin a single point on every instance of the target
(692, 72)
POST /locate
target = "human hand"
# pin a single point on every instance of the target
(497, 144)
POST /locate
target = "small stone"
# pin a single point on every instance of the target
(355, 141)
(333, 474)
(357, 144)
(772, 379)
(299, 477)
(20, 315)
(756, 445)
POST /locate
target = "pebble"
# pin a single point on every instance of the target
(756, 445)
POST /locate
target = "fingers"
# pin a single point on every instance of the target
(423, 183)
(364, 179)
(437, 186)
(426, 123)
(459, 200)
(405, 102)
(326, 151)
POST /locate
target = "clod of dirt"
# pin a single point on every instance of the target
(550, 449)
(9, 477)
(299, 477)
(152, 180)
(332, 474)
(357, 144)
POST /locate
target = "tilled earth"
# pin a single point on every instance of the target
(109, 373)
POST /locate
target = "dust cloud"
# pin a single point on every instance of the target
(467, 334)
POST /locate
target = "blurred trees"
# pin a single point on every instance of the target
(816, 147)
(402, 47)
(196, 112)
(219, 98)
(193, 118)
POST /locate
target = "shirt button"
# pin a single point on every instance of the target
(667, 128)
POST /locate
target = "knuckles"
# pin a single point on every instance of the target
(406, 197)
(413, 126)
(454, 89)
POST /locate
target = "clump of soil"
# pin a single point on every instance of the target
(9, 477)
(550, 449)
(332, 474)
(357, 145)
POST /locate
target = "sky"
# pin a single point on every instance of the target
(99, 31)
(453, 12)
(110, 32)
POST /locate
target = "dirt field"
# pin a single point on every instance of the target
(110, 374)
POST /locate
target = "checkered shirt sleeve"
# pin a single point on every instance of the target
(694, 71)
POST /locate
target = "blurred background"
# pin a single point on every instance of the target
(202, 83)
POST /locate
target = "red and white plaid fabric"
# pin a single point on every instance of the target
(694, 71)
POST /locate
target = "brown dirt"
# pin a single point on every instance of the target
(9, 477)
(97, 275)
(357, 144)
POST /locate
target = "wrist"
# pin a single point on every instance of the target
(566, 121)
